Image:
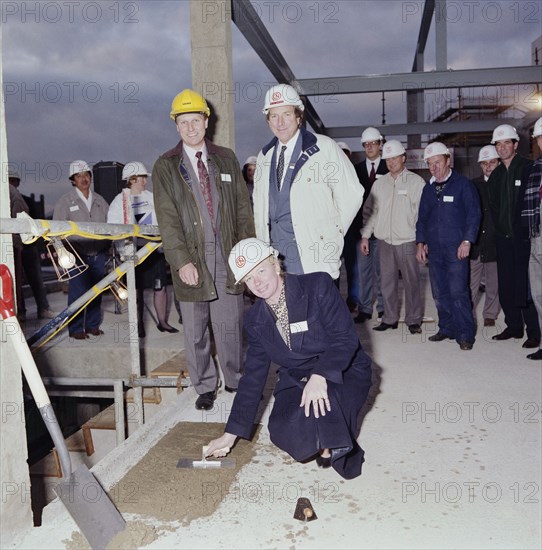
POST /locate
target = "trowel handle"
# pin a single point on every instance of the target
(7, 306)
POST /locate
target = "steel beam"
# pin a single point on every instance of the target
(464, 78)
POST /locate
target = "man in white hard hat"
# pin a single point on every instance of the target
(390, 213)
(203, 209)
(483, 254)
(513, 245)
(531, 220)
(368, 171)
(82, 204)
(448, 222)
(306, 192)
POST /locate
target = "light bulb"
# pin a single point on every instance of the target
(123, 293)
(66, 259)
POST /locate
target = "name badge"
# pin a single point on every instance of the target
(74, 208)
(448, 198)
(377, 176)
(302, 326)
(402, 192)
(225, 177)
(517, 183)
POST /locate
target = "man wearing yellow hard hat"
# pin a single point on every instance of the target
(203, 209)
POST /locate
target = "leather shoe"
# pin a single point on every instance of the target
(506, 335)
(323, 461)
(531, 343)
(415, 328)
(205, 401)
(385, 326)
(465, 345)
(438, 337)
(79, 336)
(141, 331)
(362, 317)
(172, 330)
(536, 355)
(230, 390)
(94, 331)
(489, 322)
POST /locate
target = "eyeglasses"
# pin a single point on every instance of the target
(368, 143)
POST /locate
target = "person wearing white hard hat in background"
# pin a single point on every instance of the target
(483, 254)
(306, 192)
(530, 219)
(511, 239)
(350, 253)
(203, 209)
(390, 213)
(82, 204)
(248, 173)
(448, 223)
(152, 272)
(301, 324)
(27, 257)
(368, 172)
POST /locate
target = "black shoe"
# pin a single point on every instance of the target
(438, 337)
(465, 345)
(79, 336)
(531, 343)
(323, 462)
(172, 330)
(141, 332)
(206, 401)
(415, 328)
(506, 335)
(536, 355)
(362, 317)
(385, 326)
(230, 390)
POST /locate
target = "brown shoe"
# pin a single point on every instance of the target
(531, 343)
(79, 336)
(94, 331)
(489, 322)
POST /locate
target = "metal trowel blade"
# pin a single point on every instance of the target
(206, 464)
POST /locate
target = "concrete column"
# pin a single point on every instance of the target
(15, 505)
(210, 31)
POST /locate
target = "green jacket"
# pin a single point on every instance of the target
(180, 222)
(503, 185)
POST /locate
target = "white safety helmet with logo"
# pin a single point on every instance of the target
(434, 149)
(537, 128)
(281, 95)
(488, 152)
(247, 254)
(392, 148)
(502, 132)
(134, 168)
(77, 167)
(371, 134)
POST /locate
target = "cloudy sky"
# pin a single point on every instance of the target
(95, 80)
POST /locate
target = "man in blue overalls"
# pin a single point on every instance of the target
(448, 222)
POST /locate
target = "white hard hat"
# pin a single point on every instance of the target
(487, 152)
(434, 149)
(371, 134)
(132, 169)
(247, 254)
(280, 95)
(538, 128)
(250, 160)
(392, 148)
(504, 131)
(343, 145)
(77, 167)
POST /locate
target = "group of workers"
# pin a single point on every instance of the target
(283, 236)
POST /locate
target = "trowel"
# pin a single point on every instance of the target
(205, 463)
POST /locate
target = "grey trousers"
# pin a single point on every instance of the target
(225, 316)
(392, 259)
(535, 274)
(488, 270)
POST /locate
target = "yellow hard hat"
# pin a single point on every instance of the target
(189, 101)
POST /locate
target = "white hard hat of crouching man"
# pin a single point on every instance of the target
(247, 254)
